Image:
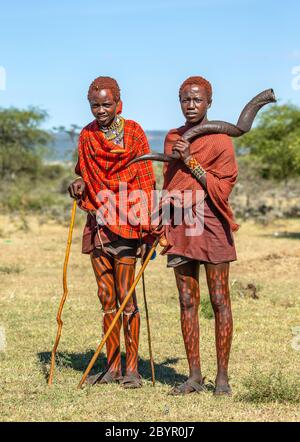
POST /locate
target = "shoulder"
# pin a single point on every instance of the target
(91, 127)
(220, 142)
(132, 125)
(220, 139)
(175, 133)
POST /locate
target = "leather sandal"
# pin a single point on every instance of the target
(131, 381)
(103, 378)
(193, 387)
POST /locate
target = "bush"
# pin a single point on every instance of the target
(53, 171)
(22, 142)
(274, 144)
(270, 387)
(10, 269)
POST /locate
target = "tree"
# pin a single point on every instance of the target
(274, 144)
(22, 141)
(73, 132)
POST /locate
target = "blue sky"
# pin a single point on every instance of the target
(52, 50)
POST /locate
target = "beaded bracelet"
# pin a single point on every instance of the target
(195, 168)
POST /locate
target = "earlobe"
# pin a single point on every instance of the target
(209, 104)
(119, 107)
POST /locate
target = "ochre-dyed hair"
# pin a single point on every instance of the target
(199, 81)
(105, 83)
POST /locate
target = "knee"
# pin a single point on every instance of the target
(189, 295)
(131, 304)
(219, 301)
(107, 297)
(188, 300)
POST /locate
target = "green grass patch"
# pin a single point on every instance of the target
(10, 269)
(206, 308)
(273, 386)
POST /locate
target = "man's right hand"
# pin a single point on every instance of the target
(76, 189)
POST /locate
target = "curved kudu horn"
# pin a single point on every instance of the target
(243, 126)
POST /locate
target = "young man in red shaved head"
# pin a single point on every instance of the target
(106, 146)
(208, 165)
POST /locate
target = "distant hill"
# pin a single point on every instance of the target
(62, 147)
(156, 139)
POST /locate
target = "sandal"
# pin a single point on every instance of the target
(131, 381)
(103, 378)
(182, 388)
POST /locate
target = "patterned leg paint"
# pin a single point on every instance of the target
(187, 277)
(131, 324)
(124, 277)
(217, 281)
(103, 268)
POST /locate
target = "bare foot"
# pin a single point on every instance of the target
(222, 387)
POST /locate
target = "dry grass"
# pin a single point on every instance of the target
(264, 330)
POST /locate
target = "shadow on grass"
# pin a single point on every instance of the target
(164, 373)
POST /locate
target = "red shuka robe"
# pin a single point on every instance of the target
(103, 170)
(215, 153)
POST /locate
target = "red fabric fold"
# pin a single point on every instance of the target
(216, 155)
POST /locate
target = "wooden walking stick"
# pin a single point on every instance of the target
(148, 331)
(63, 299)
(147, 318)
(118, 314)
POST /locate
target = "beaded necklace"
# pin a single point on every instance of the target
(115, 132)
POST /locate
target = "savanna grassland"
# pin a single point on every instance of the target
(265, 358)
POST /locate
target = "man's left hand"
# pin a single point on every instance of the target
(183, 148)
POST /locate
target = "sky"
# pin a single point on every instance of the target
(51, 51)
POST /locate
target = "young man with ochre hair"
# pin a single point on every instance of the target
(105, 148)
(207, 163)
